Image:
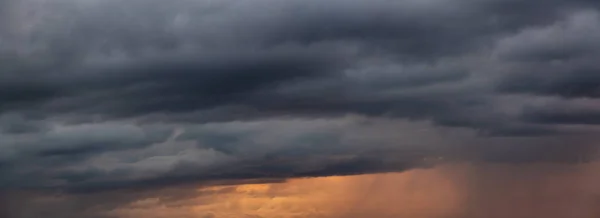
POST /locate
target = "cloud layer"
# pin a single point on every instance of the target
(97, 96)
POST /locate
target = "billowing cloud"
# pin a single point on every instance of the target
(98, 97)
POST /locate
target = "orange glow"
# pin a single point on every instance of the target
(423, 193)
(449, 191)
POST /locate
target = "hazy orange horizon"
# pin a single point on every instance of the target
(448, 191)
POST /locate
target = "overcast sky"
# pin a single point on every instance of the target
(104, 96)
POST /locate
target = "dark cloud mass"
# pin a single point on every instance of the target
(97, 96)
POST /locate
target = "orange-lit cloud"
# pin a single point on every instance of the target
(422, 193)
(450, 191)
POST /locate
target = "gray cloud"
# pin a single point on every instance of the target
(563, 112)
(555, 59)
(104, 95)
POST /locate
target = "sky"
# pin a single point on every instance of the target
(299, 108)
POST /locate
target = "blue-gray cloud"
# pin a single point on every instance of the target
(104, 95)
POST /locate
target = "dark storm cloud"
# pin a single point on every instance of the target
(561, 80)
(194, 84)
(263, 83)
(262, 170)
(248, 159)
(276, 83)
(4, 10)
(564, 112)
(589, 117)
(104, 95)
(557, 59)
(409, 29)
(19, 124)
(169, 83)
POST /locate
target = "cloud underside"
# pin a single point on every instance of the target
(105, 95)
